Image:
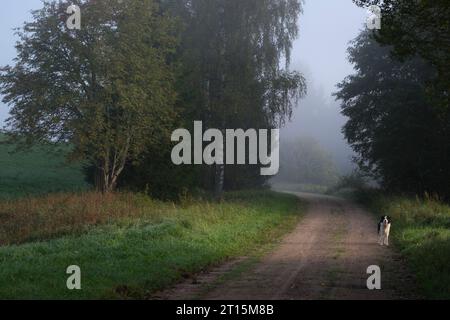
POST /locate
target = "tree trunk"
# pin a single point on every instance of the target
(104, 182)
(219, 181)
(109, 171)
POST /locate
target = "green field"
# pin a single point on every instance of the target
(421, 230)
(38, 171)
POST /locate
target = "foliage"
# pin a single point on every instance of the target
(231, 53)
(231, 72)
(157, 176)
(109, 88)
(398, 134)
(419, 28)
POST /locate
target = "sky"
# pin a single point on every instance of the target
(12, 15)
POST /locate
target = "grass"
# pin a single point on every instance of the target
(421, 229)
(38, 171)
(130, 245)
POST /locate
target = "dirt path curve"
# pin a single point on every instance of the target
(325, 257)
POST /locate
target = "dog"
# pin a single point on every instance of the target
(384, 229)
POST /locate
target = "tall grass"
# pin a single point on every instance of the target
(46, 217)
(421, 229)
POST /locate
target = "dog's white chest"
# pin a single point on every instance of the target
(387, 229)
(384, 230)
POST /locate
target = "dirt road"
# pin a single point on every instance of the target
(325, 257)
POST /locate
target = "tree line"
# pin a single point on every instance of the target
(397, 102)
(136, 70)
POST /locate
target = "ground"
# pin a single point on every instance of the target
(325, 257)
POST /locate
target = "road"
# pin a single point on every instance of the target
(325, 257)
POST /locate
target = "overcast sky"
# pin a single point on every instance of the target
(326, 27)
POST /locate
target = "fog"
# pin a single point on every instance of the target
(320, 53)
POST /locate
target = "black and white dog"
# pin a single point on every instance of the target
(384, 228)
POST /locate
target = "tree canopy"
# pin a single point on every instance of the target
(136, 70)
(234, 73)
(419, 28)
(398, 133)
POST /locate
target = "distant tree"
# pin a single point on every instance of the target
(397, 132)
(107, 89)
(304, 161)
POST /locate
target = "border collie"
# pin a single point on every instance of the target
(384, 228)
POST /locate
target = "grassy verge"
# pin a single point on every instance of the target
(421, 229)
(141, 247)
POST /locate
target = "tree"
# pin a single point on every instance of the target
(399, 135)
(107, 89)
(419, 28)
(232, 74)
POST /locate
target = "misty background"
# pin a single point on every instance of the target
(313, 148)
(313, 138)
(320, 53)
